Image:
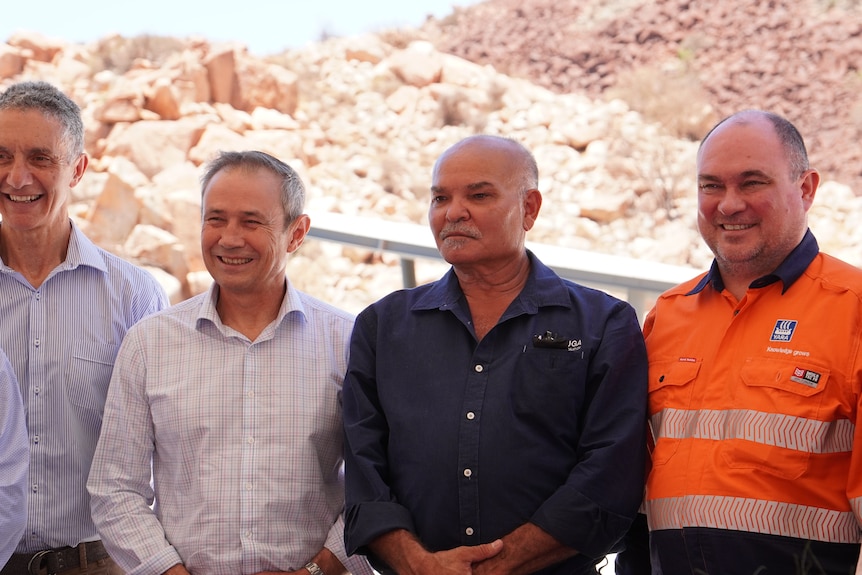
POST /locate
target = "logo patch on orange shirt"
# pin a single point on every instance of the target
(805, 377)
(783, 330)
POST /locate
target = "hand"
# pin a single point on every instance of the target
(458, 561)
(178, 569)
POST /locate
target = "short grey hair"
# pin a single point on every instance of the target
(50, 101)
(292, 188)
(790, 138)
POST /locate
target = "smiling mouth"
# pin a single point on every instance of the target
(22, 199)
(736, 227)
(234, 261)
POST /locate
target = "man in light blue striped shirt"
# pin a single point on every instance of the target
(66, 306)
(235, 398)
(13, 461)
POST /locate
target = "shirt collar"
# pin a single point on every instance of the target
(543, 288)
(80, 252)
(291, 302)
(787, 272)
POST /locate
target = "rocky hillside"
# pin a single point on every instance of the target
(362, 119)
(682, 61)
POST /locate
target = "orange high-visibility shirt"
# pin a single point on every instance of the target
(754, 405)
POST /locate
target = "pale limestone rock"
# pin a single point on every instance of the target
(42, 48)
(221, 73)
(184, 212)
(268, 86)
(239, 121)
(180, 176)
(11, 61)
(199, 282)
(154, 145)
(163, 100)
(365, 49)
(149, 244)
(269, 119)
(115, 212)
(172, 285)
(216, 137)
(417, 65)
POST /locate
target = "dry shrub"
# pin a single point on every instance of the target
(672, 97)
(119, 54)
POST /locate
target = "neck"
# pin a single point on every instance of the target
(248, 313)
(508, 279)
(34, 253)
(489, 294)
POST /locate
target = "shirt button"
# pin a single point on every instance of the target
(37, 342)
(467, 473)
(251, 394)
(36, 390)
(35, 439)
(248, 486)
(250, 440)
(479, 368)
(35, 488)
(471, 415)
(469, 531)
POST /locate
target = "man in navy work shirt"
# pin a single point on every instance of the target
(495, 419)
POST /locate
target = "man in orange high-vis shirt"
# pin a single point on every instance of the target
(755, 377)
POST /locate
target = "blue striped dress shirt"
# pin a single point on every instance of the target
(245, 440)
(13, 462)
(62, 338)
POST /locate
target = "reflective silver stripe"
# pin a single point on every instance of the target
(800, 434)
(754, 516)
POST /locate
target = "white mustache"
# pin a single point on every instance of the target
(459, 230)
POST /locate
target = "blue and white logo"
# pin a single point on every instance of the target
(783, 330)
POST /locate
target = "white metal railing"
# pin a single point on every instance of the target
(637, 281)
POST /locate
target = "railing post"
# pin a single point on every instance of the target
(408, 272)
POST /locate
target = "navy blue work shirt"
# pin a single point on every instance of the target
(460, 442)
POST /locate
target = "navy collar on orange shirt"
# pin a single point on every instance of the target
(787, 272)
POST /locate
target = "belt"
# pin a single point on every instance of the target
(54, 561)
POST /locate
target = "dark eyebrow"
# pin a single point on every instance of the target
(245, 214)
(742, 175)
(471, 187)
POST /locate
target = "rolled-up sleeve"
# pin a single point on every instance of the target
(371, 509)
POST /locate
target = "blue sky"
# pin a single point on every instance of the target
(265, 26)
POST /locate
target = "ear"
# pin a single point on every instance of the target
(80, 167)
(532, 205)
(297, 231)
(808, 187)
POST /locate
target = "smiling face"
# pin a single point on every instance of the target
(479, 213)
(37, 172)
(244, 238)
(751, 205)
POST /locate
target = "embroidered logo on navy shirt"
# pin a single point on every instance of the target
(805, 377)
(783, 330)
(553, 341)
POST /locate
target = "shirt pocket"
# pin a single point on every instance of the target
(89, 374)
(779, 414)
(552, 385)
(670, 389)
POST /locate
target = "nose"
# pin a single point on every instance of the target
(19, 174)
(731, 202)
(457, 211)
(231, 236)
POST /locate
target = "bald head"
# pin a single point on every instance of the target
(791, 140)
(523, 171)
